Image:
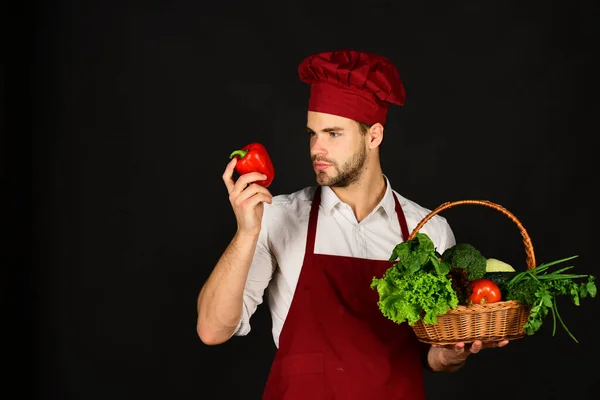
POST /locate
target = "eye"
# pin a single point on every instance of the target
(334, 134)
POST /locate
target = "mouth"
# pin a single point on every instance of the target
(321, 166)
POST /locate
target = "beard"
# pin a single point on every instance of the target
(348, 173)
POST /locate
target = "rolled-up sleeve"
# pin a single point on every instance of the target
(447, 237)
(440, 232)
(260, 274)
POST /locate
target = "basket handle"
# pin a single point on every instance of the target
(526, 239)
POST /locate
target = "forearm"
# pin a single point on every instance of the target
(221, 298)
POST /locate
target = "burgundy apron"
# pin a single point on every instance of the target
(335, 343)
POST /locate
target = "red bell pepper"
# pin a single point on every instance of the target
(254, 158)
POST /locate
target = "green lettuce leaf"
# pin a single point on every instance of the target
(408, 297)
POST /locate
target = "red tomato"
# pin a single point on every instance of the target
(484, 291)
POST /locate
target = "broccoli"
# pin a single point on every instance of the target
(464, 255)
(523, 291)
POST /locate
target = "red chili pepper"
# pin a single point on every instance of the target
(254, 158)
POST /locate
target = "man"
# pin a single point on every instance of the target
(317, 250)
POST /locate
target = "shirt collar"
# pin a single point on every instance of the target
(329, 200)
(387, 202)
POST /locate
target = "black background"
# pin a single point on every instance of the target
(120, 118)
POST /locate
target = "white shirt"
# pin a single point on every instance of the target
(282, 243)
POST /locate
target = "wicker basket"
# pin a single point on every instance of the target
(486, 322)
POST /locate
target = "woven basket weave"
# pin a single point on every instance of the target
(486, 322)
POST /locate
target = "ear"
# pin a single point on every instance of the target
(375, 135)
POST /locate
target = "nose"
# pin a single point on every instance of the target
(316, 146)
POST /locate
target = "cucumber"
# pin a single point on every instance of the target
(500, 277)
(494, 265)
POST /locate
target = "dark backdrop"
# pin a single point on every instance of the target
(122, 115)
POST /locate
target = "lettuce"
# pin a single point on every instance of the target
(407, 298)
(416, 286)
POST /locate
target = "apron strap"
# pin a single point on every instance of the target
(312, 222)
(402, 220)
(314, 213)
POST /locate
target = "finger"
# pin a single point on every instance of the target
(228, 175)
(476, 346)
(245, 180)
(501, 343)
(459, 348)
(253, 201)
(252, 190)
(251, 177)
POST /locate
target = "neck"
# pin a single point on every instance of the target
(364, 194)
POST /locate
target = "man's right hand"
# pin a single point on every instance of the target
(246, 198)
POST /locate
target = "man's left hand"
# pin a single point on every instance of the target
(451, 358)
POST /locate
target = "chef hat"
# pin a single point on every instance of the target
(352, 84)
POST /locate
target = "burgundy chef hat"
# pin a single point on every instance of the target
(352, 84)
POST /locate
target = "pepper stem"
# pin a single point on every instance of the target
(240, 153)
